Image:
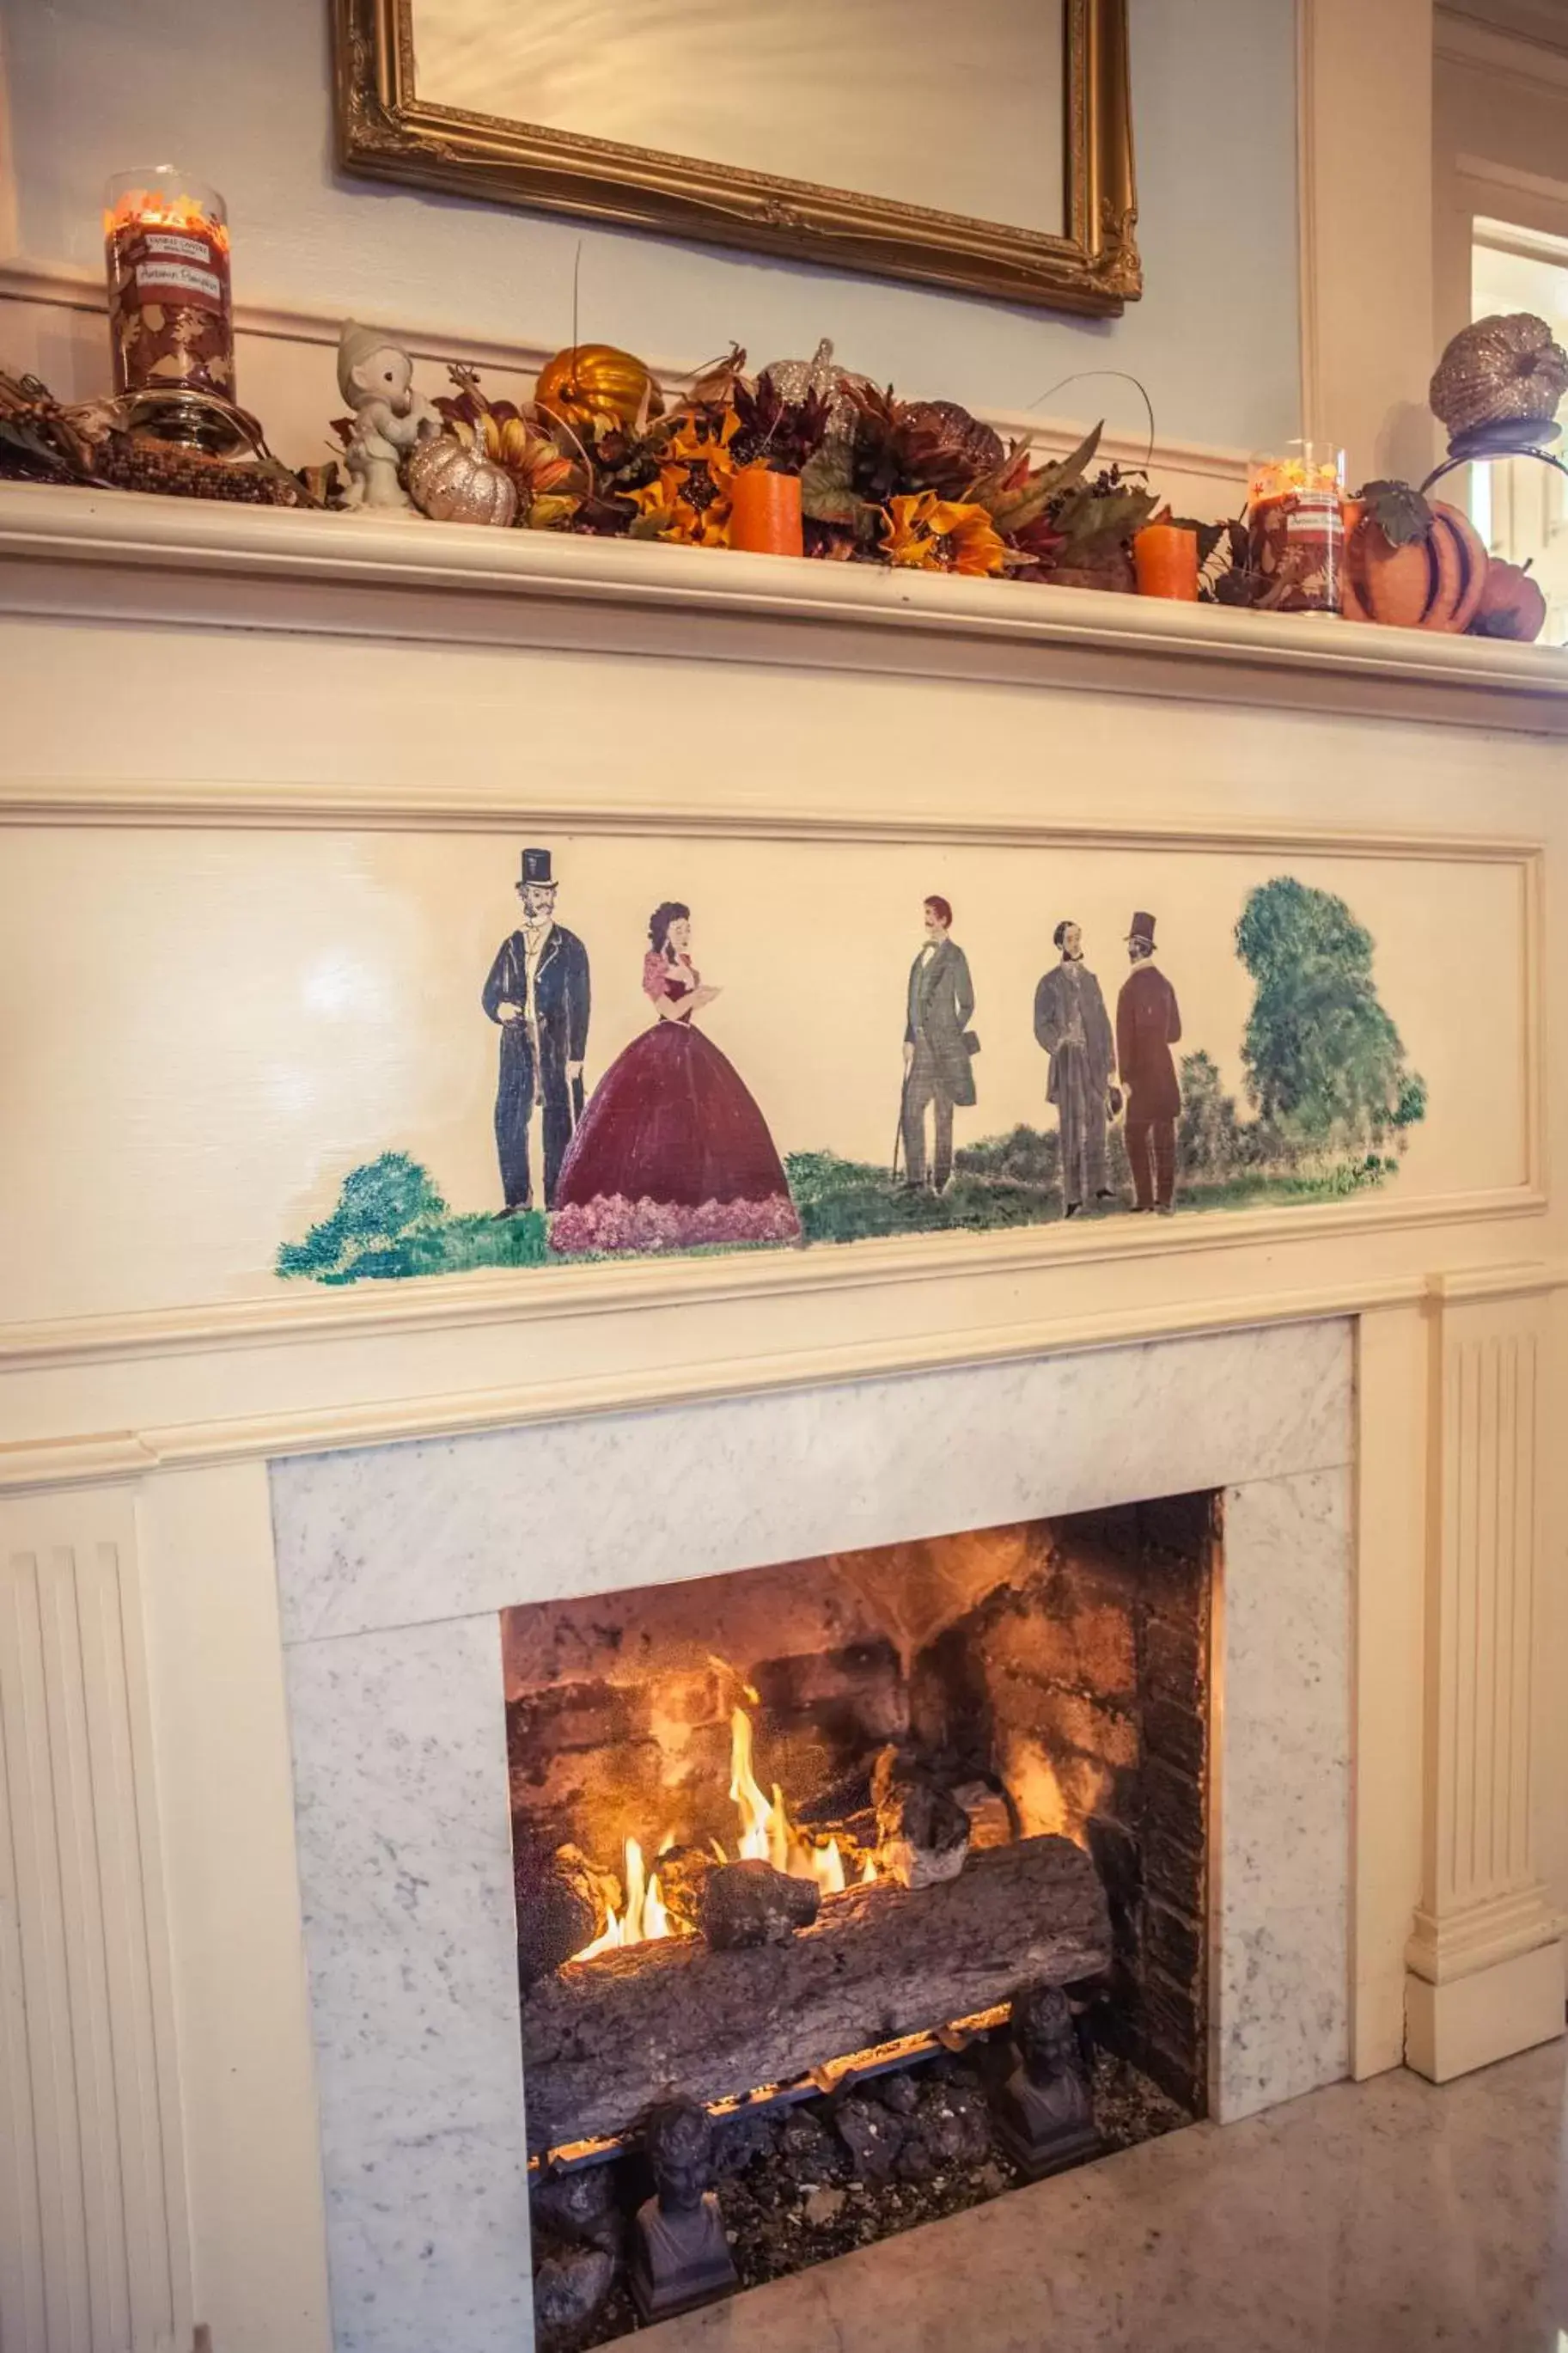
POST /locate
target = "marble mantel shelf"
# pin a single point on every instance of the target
(115, 555)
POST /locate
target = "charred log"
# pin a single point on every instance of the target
(604, 2040)
(746, 1903)
(563, 1903)
(683, 1875)
(922, 1830)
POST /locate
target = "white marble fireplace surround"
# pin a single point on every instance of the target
(393, 1563)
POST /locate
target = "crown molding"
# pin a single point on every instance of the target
(1462, 39)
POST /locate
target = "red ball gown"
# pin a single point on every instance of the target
(671, 1151)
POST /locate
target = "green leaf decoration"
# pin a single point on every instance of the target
(827, 491)
(1400, 512)
(1088, 519)
(1015, 507)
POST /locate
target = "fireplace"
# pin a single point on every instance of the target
(800, 1845)
(504, 1643)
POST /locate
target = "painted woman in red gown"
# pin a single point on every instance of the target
(671, 1151)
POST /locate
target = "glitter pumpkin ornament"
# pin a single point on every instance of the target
(1501, 369)
(452, 481)
(795, 380)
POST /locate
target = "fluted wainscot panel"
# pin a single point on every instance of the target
(1486, 1959)
(93, 2254)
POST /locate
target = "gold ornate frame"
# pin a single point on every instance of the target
(385, 130)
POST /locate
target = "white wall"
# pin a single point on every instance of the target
(240, 93)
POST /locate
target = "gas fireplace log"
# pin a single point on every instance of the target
(604, 2039)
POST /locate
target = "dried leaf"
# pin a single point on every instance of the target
(549, 514)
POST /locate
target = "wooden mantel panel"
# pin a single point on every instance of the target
(192, 692)
(228, 722)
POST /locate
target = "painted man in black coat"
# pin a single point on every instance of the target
(538, 992)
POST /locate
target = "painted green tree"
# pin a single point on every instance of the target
(1325, 1063)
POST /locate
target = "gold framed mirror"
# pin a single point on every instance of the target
(996, 156)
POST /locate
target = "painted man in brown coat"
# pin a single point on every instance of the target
(1148, 1024)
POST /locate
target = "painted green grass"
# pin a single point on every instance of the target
(390, 1222)
(847, 1200)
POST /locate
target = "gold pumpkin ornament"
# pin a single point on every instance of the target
(590, 384)
(1501, 368)
(452, 481)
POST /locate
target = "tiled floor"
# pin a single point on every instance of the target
(1386, 2217)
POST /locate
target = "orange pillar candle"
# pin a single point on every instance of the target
(764, 512)
(1166, 556)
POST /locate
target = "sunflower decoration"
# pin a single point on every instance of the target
(921, 532)
(689, 500)
(664, 511)
(549, 482)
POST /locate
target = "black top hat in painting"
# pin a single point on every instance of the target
(1143, 927)
(536, 868)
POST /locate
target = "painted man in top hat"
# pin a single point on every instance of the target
(938, 1047)
(1073, 1028)
(538, 992)
(1148, 1024)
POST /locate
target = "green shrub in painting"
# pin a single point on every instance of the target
(1324, 1064)
(390, 1222)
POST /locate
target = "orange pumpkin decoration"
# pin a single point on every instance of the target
(1512, 604)
(594, 383)
(1433, 583)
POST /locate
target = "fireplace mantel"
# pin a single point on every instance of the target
(253, 727)
(116, 554)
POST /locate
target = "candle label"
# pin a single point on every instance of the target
(1296, 540)
(176, 266)
(169, 305)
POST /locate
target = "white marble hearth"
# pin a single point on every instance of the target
(393, 1563)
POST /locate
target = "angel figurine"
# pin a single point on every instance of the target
(377, 379)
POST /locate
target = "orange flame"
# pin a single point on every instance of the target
(766, 1836)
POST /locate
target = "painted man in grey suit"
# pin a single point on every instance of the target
(1072, 1025)
(938, 1044)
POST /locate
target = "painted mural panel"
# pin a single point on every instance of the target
(379, 1056)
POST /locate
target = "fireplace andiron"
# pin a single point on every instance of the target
(1044, 2117)
(680, 2257)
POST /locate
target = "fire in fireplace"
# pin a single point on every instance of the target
(852, 1892)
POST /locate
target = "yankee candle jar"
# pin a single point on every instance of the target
(171, 311)
(1294, 526)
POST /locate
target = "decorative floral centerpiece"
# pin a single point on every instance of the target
(805, 457)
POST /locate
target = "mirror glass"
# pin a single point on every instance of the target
(956, 108)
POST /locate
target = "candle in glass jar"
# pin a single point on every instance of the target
(1167, 558)
(169, 305)
(1294, 526)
